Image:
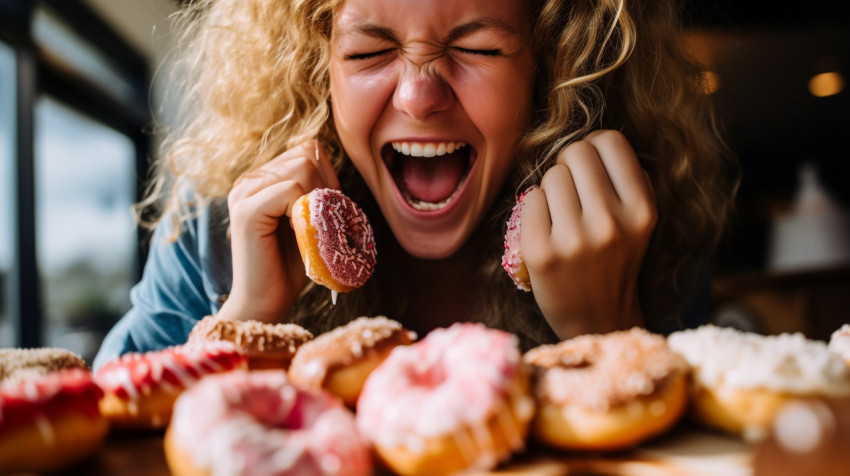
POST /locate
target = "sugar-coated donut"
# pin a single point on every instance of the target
(742, 379)
(50, 420)
(456, 400)
(335, 238)
(339, 361)
(268, 346)
(839, 342)
(606, 392)
(512, 260)
(140, 388)
(23, 363)
(258, 423)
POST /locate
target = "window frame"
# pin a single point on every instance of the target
(36, 75)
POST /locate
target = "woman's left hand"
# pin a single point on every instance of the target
(584, 234)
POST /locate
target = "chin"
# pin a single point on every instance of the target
(431, 245)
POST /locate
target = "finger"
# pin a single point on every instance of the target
(265, 208)
(594, 188)
(562, 199)
(622, 165)
(294, 164)
(535, 220)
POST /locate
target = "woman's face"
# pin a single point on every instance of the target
(429, 99)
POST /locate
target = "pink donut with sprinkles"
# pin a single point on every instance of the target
(456, 400)
(140, 388)
(512, 259)
(335, 238)
(258, 423)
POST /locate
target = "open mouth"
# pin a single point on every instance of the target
(428, 174)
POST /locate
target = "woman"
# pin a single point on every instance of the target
(433, 116)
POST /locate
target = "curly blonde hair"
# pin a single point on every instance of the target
(251, 79)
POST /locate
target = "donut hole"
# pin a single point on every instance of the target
(429, 376)
(275, 408)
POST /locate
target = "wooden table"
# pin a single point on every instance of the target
(683, 452)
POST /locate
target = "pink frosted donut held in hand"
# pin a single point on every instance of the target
(458, 399)
(258, 423)
(512, 259)
(335, 239)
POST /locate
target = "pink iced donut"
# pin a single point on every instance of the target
(141, 388)
(251, 423)
(49, 421)
(457, 399)
(512, 258)
(335, 239)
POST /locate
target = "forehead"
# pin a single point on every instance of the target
(431, 16)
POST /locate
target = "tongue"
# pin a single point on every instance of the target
(432, 179)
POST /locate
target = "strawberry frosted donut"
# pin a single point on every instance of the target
(742, 380)
(267, 346)
(606, 392)
(458, 399)
(512, 258)
(257, 423)
(839, 342)
(140, 388)
(335, 239)
(49, 421)
(339, 361)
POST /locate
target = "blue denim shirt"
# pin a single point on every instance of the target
(183, 281)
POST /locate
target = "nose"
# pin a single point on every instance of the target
(422, 92)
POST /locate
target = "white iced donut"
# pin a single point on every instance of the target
(742, 379)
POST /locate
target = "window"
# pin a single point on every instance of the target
(73, 111)
(85, 237)
(7, 151)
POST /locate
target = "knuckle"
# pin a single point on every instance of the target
(576, 151)
(607, 233)
(541, 258)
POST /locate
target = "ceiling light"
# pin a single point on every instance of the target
(826, 84)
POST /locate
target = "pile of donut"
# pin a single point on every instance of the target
(251, 398)
(243, 398)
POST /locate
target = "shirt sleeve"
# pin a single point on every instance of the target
(176, 290)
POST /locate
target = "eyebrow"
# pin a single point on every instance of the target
(385, 33)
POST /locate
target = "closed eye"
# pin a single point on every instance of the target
(363, 56)
(495, 52)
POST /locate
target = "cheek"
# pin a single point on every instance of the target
(357, 102)
(499, 104)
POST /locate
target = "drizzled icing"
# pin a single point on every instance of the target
(135, 375)
(247, 423)
(40, 397)
(599, 371)
(344, 345)
(346, 240)
(449, 384)
(512, 260)
(787, 363)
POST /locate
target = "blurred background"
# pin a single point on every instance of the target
(77, 87)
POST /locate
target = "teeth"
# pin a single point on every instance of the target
(428, 206)
(427, 149)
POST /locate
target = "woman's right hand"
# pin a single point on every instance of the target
(268, 272)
